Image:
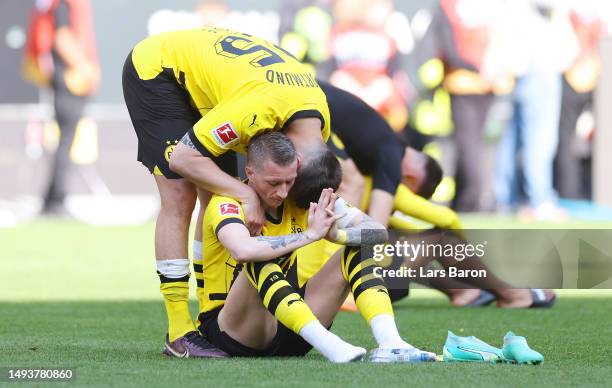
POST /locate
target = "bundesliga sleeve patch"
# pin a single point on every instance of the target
(229, 208)
(225, 134)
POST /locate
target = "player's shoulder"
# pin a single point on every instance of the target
(223, 206)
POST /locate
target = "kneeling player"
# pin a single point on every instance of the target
(254, 301)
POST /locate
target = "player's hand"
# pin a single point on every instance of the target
(320, 215)
(254, 214)
(332, 233)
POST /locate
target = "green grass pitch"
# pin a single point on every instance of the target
(87, 297)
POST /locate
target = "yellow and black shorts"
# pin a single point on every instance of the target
(161, 112)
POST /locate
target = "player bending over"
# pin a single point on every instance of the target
(195, 98)
(253, 299)
(383, 174)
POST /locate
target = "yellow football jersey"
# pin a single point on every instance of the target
(242, 85)
(219, 269)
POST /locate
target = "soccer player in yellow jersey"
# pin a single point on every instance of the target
(253, 299)
(195, 97)
(399, 177)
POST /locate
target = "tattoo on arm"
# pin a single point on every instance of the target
(281, 241)
(187, 141)
(368, 231)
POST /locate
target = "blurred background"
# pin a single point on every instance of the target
(509, 95)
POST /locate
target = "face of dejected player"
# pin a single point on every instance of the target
(271, 181)
(413, 170)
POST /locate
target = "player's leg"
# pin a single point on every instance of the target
(467, 289)
(371, 297)
(161, 114)
(203, 199)
(244, 318)
(171, 238)
(348, 270)
(266, 283)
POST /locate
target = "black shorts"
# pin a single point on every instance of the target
(285, 344)
(161, 112)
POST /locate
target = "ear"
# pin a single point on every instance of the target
(249, 171)
(405, 165)
(299, 160)
(411, 183)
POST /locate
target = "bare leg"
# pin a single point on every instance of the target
(244, 318)
(459, 292)
(204, 197)
(171, 253)
(172, 226)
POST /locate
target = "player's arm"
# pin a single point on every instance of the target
(386, 177)
(236, 238)
(189, 162)
(355, 227)
(418, 207)
(381, 206)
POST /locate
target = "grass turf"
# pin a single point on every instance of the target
(86, 297)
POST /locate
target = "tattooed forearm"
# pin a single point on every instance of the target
(282, 241)
(367, 231)
(366, 235)
(187, 141)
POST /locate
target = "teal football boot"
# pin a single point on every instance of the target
(516, 349)
(470, 349)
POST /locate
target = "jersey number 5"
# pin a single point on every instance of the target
(232, 46)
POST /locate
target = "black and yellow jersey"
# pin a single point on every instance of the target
(240, 84)
(217, 271)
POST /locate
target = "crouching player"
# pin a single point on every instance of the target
(253, 299)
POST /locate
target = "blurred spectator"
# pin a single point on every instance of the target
(207, 13)
(457, 45)
(545, 46)
(367, 57)
(211, 12)
(297, 35)
(572, 164)
(61, 53)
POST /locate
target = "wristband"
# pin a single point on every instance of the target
(342, 237)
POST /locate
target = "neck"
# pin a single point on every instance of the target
(273, 211)
(305, 133)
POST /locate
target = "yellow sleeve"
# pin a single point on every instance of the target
(222, 211)
(418, 207)
(229, 126)
(396, 222)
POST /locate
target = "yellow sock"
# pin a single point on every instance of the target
(176, 299)
(371, 295)
(279, 297)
